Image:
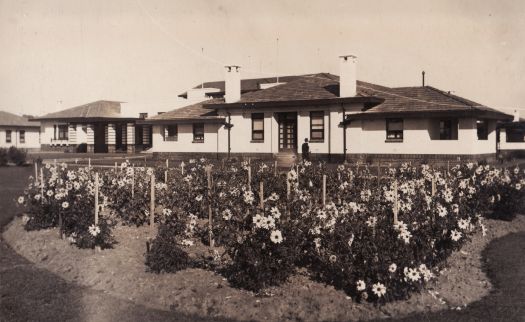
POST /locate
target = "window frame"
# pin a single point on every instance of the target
(513, 137)
(8, 138)
(64, 134)
(22, 136)
(167, 136)
(317, 114)
(257, 117)
(398, 135)
(485, 129)
(195, 138)
(450, 137)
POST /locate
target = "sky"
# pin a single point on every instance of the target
(63, 53)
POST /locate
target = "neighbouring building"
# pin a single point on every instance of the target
(343, 118)
(17, 131)
(99, 127)
(511, 141)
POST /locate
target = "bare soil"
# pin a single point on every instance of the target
(120, 272)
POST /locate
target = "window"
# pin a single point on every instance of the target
(7, 136)
(171, 132)
(394, 129)
(448, 130)
(257, 126)
(515, 135)
(198, 132)
(22, 136)
(62, 132)
(317, 126)
(483, 129)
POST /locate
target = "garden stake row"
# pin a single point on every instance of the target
(166, 176)
(182, 167)
(167, 164)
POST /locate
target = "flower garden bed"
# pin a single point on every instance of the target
(313, 237)
(120, 272)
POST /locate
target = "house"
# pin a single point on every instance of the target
(17, 131)
(511, 141)
(99, 127)
(343, 118)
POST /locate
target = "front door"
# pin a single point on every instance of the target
(100, 138)
(287, 132)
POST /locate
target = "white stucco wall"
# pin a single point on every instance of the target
(184, 141)
(369, 136)
(32, 138)
(504, 145)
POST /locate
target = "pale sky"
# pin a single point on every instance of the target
(147, 51)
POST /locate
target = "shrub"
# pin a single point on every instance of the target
(3, 157)
(17, 156)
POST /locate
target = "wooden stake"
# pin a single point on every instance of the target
(210, 217)
(96, 199)
(115, 166)
(433, 186)
(89, 163)
(76, 160)
(166, 177)
(378, 173)
(396, 203)
(324, 190)
(249, 176)
(297, 169)
(275, 169)
(36, 173)
(42, 184)
(287, 189)
(448, 168)
(133, 183)
(261, 194)
(152, 202)
(97, 248)
(182, 167)
(167, 164)
(55, 162)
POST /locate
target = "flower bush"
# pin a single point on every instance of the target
(378, 234)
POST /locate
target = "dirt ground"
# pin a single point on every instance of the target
(120, 272)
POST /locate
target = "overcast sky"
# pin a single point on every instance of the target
(146, 52)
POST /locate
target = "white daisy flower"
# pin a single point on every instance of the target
(360, 285)
(392, 268)
(379, 289)
(94, 230)
(65, 205)
(21, 200)
(276, 236)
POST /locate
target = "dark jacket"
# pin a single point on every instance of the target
(305, 148)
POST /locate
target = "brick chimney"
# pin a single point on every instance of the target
(347, 76)
(232, 84)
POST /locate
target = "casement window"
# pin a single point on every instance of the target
(22, 136)
(515, 135)
(483, 129)
(171, 132)
(7, 136)
(62, 132)
(317, 126)
(198, 132)
(394, 129)
(448, 129)
(257, 126)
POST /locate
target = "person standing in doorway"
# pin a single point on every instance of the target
(306, 150)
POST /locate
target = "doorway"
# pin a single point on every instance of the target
(287, 131)
(100, 138)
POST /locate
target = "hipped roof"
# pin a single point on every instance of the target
(10, 119)
(99, 110)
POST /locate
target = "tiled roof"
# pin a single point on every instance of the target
(190, 112)
(9, 119)
(98, 109)
(253, 84)
(324, 86)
